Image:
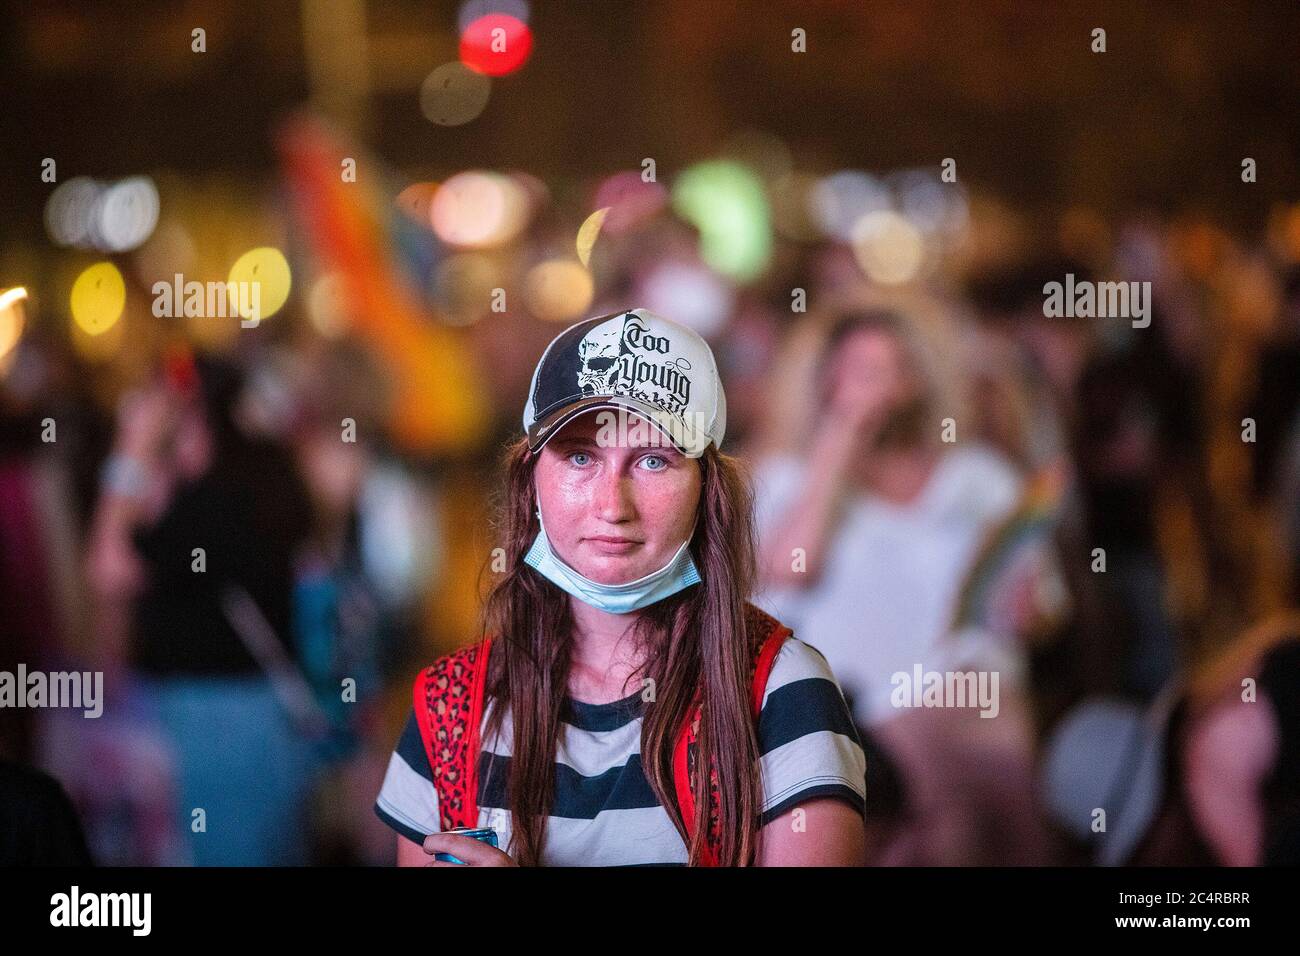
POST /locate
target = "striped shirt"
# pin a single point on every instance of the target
(604, 812)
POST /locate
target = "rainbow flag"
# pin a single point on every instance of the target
(1017, 542)
(439, 405)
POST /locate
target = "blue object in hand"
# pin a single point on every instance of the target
(483, 834)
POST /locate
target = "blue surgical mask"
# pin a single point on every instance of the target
(680, 572)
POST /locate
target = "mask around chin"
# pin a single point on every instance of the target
(680, 572)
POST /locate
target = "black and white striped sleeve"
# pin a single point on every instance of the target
(407, 801)
(809, 745)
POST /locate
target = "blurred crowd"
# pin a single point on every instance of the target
(247, 542)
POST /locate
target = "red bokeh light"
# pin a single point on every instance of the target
(512, 47)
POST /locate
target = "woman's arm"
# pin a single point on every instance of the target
(808, 521)
(821, 832)
(411, 854)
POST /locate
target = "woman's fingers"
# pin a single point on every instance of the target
(471, 851)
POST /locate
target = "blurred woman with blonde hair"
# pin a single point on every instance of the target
(873, 513)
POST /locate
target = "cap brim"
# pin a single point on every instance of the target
(667, 424)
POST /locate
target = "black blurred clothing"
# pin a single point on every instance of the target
(38, 826)
(1280, 678)
(1274, 410)
(249, 514)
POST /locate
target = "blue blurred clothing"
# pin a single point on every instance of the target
(241, 760)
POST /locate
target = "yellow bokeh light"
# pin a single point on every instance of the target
(888, 247)
(11, 321)
(327, 305)
(559, 290)
(266, 273)
(98, 298)
(98, 347)
(588, 234)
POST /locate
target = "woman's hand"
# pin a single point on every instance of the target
(472, 852)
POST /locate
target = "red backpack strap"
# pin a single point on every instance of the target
(448, 699)
(766, 635)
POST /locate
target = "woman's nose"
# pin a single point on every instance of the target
(614, 496)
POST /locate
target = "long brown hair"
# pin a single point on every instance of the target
(693, 642)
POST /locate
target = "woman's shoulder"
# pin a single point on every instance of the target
(796, 661)
(790, 659)
(759, 624)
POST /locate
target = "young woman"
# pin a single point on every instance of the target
(615, 668)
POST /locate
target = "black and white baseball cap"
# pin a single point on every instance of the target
(634, 360)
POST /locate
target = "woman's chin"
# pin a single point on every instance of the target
(614, 568)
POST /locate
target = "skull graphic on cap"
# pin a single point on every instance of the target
(599, 351)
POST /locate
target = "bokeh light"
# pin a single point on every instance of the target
(630, 199)
(840, 200)
(416, 201)
(933, 206)
(724, 200)
(85, 214)
(98, 298)
(690, 293)
(268, 268)
(477, 209)
(11, 322)
(127, 214)
(327, 305)
(70, 211)
(888, 247)
(472, 10)
(453, 94)
(496, 44)
(559, 290)
(588, 232)
(463, 284)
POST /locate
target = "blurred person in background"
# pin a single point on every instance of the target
(1242, 751)
(376, 544)
(870, 526)
(1275, 409)
(1119, 411)
(208, 628)
(42, 425)
(48, 428)
(1207, 774)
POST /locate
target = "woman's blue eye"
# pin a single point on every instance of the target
(578, 454)
(658, 458)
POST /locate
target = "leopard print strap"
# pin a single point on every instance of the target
(448, 707)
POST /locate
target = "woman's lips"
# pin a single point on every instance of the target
(611, 545)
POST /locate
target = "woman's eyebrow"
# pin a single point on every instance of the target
(568, 441)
